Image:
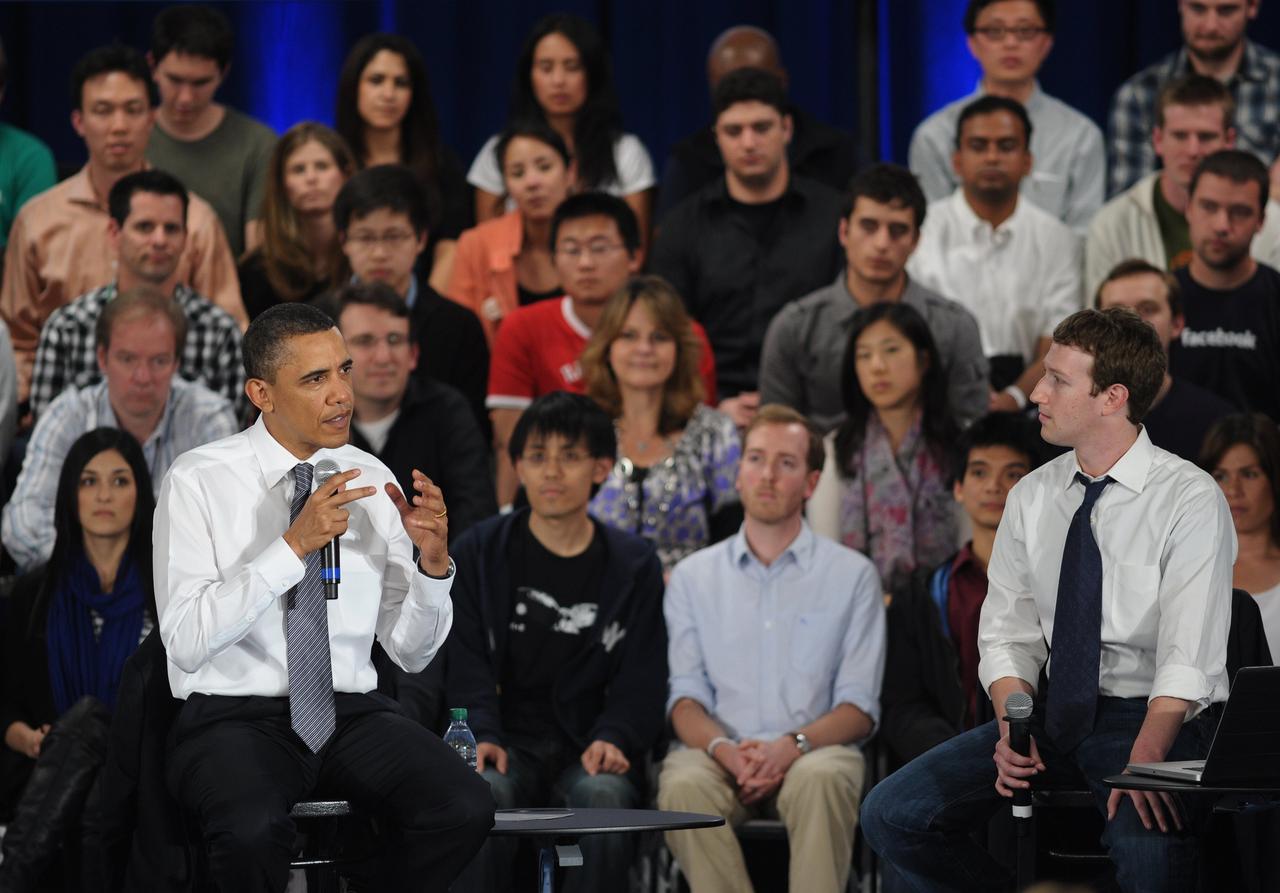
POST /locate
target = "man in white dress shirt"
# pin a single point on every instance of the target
(1012, 265)
(1115, 559)
(277, 679)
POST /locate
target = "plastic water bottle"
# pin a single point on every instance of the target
(459, 736)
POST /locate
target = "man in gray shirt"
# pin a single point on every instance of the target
(805, 344)
(1010, 39)
(217, 152)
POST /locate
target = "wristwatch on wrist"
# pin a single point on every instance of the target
(802, 742)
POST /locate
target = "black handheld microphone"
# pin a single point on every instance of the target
(330, 558)
(1017, 708)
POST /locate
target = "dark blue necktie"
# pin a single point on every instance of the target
(1077, 629)
(311, 711)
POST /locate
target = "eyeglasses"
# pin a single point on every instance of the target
(393, 340)
(392, 238)
(1024, 33)
(596, 250)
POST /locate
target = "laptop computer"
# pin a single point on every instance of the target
(1246, 744)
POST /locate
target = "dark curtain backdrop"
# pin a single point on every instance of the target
(288, 55)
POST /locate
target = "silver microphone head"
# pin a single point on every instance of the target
(1017, 706)
(325, 469)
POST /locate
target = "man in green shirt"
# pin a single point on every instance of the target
(217, 152)
(26, 165)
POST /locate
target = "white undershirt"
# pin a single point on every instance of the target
(377, 432)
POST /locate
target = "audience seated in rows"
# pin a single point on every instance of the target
(1242, 452)
(295, 260)
(595, 241)
(139, 336)
(883, 490)
(931, 689)
(739, 249)
(777, 645)
(506, 262)
(565, 77)
(817, 150)
(1214, 45)
(410, 422)
(71, 625)
(147, 233)
(26, 165)
(1182, 411)
(381, 216)
(1010, 39)
(805, 344)
(386, 114)
(1016, 267)
(58, 247)
(673, 482)
(558, 648)
(1231, 342)
(218, 153)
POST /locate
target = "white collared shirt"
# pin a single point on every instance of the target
(223, 569)
(1167, 544)
(1020, 279)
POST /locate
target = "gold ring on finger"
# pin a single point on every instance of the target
(442, 514)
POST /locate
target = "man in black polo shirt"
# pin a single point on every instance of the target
(742, 247)
(1231, 343)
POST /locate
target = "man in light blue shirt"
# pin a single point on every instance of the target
(776, 650)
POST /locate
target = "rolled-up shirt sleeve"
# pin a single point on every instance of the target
(687, 664)
(1011, 640)
(416, 613)
(861, 672)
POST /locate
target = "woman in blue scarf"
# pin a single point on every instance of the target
(70, 627)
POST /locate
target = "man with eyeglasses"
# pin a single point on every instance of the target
(595, 244)
(382, 216)
(1011, 39)
(558, 648)
(1214, 44)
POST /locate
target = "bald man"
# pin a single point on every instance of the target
(817, 150)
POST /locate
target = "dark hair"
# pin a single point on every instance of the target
(109, 59)
(989, 105)
(936, 423)
(1239, 167)
(153, 181)
(1196, 90)
(532, 128)
(1044, 7)
(266, 340)
(599, 122)
(572, 416)
(815, 454)
(598, 204)
(420, 147)
(1255, 430)
(193, 30)
(390, 187)
(888, 184)
(68, 541)
(1137, 267)
(1125, 351)
(1011, 430)
(137, 303)
(750, 85)
(373, 294)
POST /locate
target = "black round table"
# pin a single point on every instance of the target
(556, 832)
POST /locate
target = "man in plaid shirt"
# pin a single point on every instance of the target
(148, 231)
(1214, 45)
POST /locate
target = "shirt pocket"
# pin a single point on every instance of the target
(813, 641)
(1133, 605)
(1048, 191)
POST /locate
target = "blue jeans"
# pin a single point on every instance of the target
(921, 818)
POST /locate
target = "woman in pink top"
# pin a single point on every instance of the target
(506, 262)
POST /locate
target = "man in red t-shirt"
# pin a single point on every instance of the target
(595, 242)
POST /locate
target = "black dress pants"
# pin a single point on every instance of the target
(237, 766)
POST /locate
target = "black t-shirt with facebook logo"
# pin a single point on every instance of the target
(554, 611)
(1231, 344)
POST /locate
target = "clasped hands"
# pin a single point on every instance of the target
(600, 756)
(758, 767)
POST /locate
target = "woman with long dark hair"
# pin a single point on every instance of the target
(71, 626)
(386, 114)
(884, 488)
(564, 76)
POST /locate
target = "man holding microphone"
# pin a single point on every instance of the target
(277, 679)
(1112, 565)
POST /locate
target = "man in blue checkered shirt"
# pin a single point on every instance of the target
(1214, 45)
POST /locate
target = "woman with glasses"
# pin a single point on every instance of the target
(507, 262)
(673, 482)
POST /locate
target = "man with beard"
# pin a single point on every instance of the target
(1015, 267)
(1214, 45)
(1231, 343)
